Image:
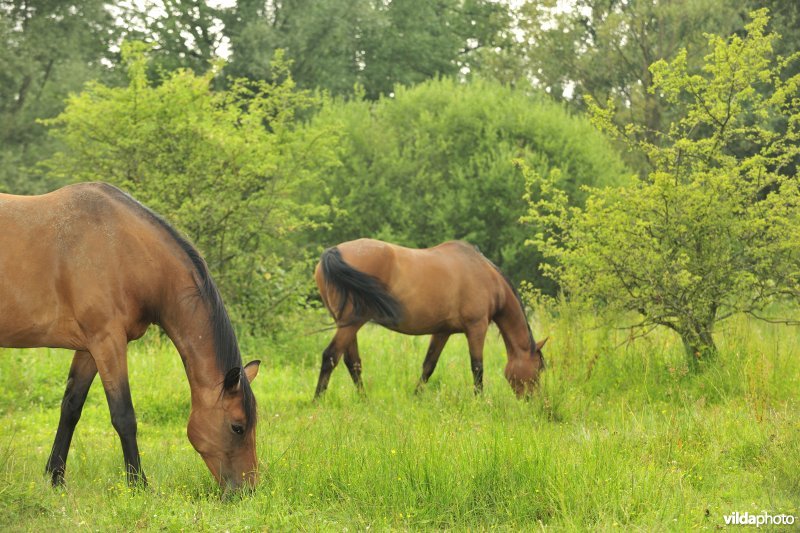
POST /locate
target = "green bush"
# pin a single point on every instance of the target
(434, 162)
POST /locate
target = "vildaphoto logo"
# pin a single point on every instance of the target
(758, 520)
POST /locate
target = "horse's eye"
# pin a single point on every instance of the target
(236, 428)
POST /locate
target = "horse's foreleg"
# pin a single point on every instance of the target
(81, 375)
(353, 362)
(112, 365)
(435, 348)
(330, 357)
(475, 338)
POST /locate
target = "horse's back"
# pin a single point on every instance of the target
(69, 260)
(372, 256)
(387, 261)
(442, 288)
(75, 226)
(451, 285)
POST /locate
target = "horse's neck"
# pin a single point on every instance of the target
(187, 322)
(513, 325)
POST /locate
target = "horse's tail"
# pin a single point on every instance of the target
(367, 294)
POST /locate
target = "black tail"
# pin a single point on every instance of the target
(366, 293)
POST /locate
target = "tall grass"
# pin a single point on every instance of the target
(620, 435)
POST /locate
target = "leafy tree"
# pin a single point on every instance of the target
(420, 39)
(47, 49)
(710, 231)
(337, 44)
(435, 163)
(182, 33)
(224, 167)
(785, 21)
(604, 48)
(323, 39)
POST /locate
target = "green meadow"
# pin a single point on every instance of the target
(636, 156)
(620, 436)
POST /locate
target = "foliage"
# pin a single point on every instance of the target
(785, 22)
(224, 167)
(709, 232)
(617, 438)
(337, 44)
(435, 163)
(596, 47)
(604, 48)
(47, 49)
(182, 34)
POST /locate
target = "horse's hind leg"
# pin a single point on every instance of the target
(81, 375)
(435, 348)
(476, 336)
(112, 365)
(353, 362)
(330, 357)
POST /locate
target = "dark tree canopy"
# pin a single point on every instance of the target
(603, 49)
(183, 33)
(48, 48)
(337, 44)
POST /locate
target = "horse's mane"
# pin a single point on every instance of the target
(226, 346)
(517, 296)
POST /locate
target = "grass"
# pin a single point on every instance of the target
(619, 436)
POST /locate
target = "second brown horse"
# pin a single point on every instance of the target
(451, 288)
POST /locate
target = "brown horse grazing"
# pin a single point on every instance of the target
(451, 288)
(89, 268)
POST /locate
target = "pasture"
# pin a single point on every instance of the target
(618, 436)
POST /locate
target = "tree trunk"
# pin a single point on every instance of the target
(699, 345)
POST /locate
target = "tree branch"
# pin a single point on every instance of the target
(786, 321)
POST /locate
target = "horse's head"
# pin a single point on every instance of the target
(222, 429)
(522, 372)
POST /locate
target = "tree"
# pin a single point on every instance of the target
(786, 23)
(225, 167)
(604, 48)
(48, 48)
(337, 44)
(418, 40)
(434, 163)
(323, 40)
(712, 230)
(182, 33)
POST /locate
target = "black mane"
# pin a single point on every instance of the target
(226, 346)
(519, 300)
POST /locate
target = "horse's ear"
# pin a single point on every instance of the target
(251, 370)
(541, 343)
(232, 379)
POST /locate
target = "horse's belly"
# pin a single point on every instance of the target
(34, 338)
(22, 330)
(30, 314)
(426, 321)
(428, 329)
(430, 307)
